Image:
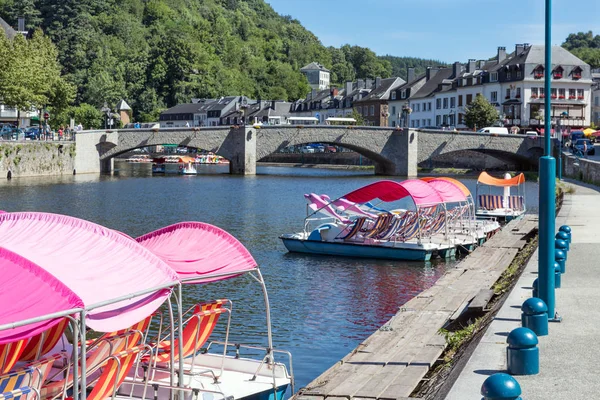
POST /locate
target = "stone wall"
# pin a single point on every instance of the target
(36, 159)
(581, 169)
(344, 158)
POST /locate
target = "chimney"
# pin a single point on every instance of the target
(410, 74)
(273, 104)
(369, 83)
(456, 69)
(481, 64)
(501, 54)
(360, 83)
(377, 82)
(333, 91)
(313, 94)
(349, 86)
(430, 73)
(519, 49)
(21, 24)
(471, 66)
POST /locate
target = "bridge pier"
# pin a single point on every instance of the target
(401, 150)
(243, 149)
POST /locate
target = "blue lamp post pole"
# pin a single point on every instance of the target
(547, 187)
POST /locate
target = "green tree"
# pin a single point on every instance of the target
(358, 117)
(480, 113)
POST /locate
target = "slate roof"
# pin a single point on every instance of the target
(186, 108)
(432, 85)
(383, 91)
(123, 106)
(314, 66)
(8, 30)
(560, 56)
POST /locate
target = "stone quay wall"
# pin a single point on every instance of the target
(582, 169)
(21, 159)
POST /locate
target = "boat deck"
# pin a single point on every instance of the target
(391, 363)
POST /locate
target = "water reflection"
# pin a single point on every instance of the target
(322, 307)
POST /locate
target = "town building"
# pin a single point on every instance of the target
(399, 98)
(596, 97)
(426, 105)
(317, 75)
(374, 107)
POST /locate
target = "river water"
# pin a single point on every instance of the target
(322, 307)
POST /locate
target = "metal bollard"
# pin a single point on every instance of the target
(561, 245)
(535, 316)
(522, 354)
(534, 292)
(561, 259)
(567, 229)
(557, 275)
(501, 387)
(560, 235)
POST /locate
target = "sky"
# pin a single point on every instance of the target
(445, 30)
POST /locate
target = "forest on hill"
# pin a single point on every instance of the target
(586, 46)
(157, 53)
(400, 65)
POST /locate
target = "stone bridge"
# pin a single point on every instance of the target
(393, 151)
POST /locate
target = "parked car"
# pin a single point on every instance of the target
(494, 129)
(582, 144)
(308, 149)
(330, 149)
(32, 133)
(531, 133)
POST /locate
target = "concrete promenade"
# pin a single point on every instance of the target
(569, 355)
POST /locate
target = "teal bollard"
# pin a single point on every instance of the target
(557, 275)
(567, 230)
(534, 292)
(559, 257)
(501, 387)
(522, 354)
(560, 235)
(563, 246)
(535, 316)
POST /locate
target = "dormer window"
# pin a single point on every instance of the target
(403, 94)
(494, 77)
(538, 72)
(393, 95)
(558, 72)
(576, 74)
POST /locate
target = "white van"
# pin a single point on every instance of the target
(493, 129)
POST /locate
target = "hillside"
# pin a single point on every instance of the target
(157, 53)
(400, 64)
(586, 46)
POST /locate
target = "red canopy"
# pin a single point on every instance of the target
(199, 250)
(388, 191)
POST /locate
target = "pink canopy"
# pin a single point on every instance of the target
(388, 191)
(31, 292)
(95, 262)
(199, 250)
(450, 192)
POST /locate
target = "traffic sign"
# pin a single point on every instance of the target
(46, 115)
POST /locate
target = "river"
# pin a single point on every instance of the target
(322, 307)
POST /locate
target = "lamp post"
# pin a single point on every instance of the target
(406, 110)
(547, 188)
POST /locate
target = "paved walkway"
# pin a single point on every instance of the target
(569, 355)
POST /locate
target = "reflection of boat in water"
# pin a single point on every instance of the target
(188, 169)
(159, 168)
(140, 158)
(128, 293)
(439, 221)
(505, 207)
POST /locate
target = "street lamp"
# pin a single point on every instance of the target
(547, 223)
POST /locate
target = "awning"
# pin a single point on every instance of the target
(31, 292)
(388, 191)
(487, 179)
(198, 250)
(512, 102)
(456, 182)
(94, 262)
(450, 192)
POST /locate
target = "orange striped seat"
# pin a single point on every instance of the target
(10, 353)
(114, 372)
(196, 332)
(95, 358)
(42, 343)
